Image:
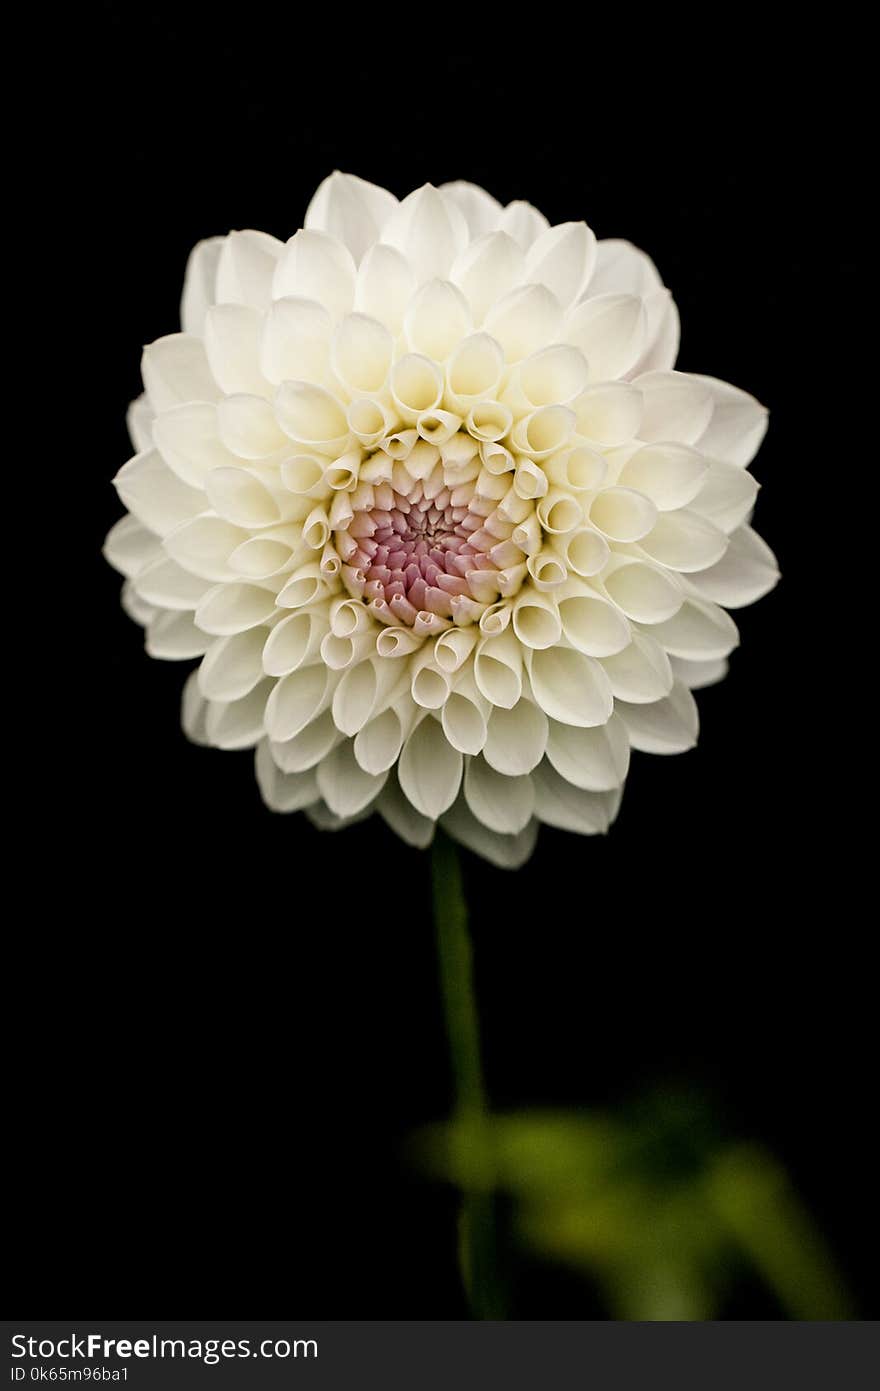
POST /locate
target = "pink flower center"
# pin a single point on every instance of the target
(417, 554)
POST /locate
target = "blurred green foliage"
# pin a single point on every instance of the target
(652, 1203)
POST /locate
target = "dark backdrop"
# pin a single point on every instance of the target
(227, 1022)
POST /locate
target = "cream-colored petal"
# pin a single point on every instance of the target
(516, 739)
(595, 760)
(351, 210)
(283, 792)
(175, 369)
(429, 230)
(666, 726)
(155, 495)
(319, 267)
(747, 571)
(245, 268)
(505, 852)
(344, 785)
(200, 284)
(429, 770)
(570, 687)
(559, 804)
(233, 334)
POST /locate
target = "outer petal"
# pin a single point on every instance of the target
(351, 210)
(562, 258)
(317, 266)
(200, 284)
(430, 769)
(737, 426)
(175, 369)
(481, 211)
(745, 572)
(246, 267)
(505, 852)
(670, 725)
(504, 804)
(429, 230)
(558, 803)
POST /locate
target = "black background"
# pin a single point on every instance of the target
(226, 1022)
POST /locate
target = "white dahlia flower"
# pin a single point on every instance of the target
(449, 536)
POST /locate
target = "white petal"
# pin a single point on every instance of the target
(233, 608)
(596, 760)
(523, 223)
(429, 230)
(385, 286)
(562, 258)
(155, 495)
(173, 637)
(570, 687)
(204, 545)
(610, 331)
(402, 817)
(378, 744)
(641, 672)
(129, 546)
(662, 334)
(200, 284)
(700, 631)
(135, 607)
(317, 266)
(516, 739)
(727, 496)
(295, 341)
(283, 792)
(486, 270)
(505, 852)
(646, 593)
(437, 319)
(671, 475)
(361, 354)
(504, 804)
(344, 785)
(246, 267)
(139, 423)
(307, 748)
(238, 724)
(313, 417)
(297, 700)
(558, 803)
(670, 725)
(233, 335)
(187, 438)
(429, 769)
(677, 406)
(164, 583)
(232, 666)
(239, 495)
(498, 670)
(746, 572)
(608, 413)
(193, 710)
(590, 623)
(481, 211)
(248, 428)
(622, 514)
(524, 320)
(351, 210)
(175, 369)
(698, 675)
(622, 268)
(684, 541)
(738, 423)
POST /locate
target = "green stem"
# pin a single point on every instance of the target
(477, 1238)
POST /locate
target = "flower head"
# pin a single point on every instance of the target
(422, 491)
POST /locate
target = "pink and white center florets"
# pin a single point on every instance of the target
(426, 551)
